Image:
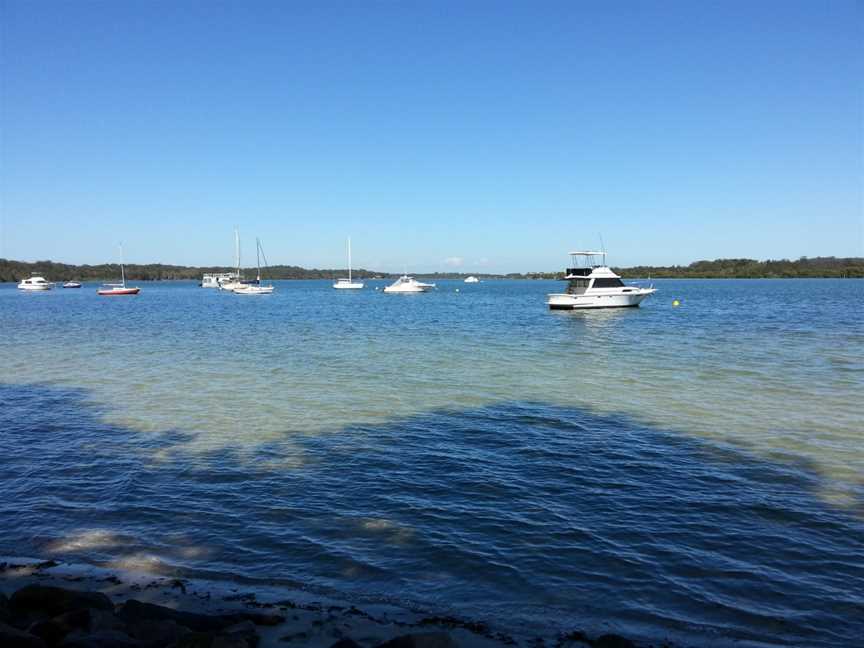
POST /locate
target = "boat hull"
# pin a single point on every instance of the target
(254, 290)
(117, 292)
(348, 286)
(407, 291)
(566, 301)
(36, 288)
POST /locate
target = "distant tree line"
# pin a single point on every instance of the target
(719, 268)
(752, 269)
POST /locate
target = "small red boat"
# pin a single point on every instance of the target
(110, 290)
(117, 290)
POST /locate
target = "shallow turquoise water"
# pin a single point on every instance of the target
(692, 473)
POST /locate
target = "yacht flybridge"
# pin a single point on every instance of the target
(406, 284)
(594, 285)
(35, 282)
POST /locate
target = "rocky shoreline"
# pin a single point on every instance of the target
(45, 604)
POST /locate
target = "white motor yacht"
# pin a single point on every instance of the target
(349, 283)
(406, 284)
(472, 279)
(35, 282)
(594, 285)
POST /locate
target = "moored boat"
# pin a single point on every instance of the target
(408, 284)
(349, 283)
(71, 284)
(256, 288)
(35, 283)
(118, 289)
(595, 285)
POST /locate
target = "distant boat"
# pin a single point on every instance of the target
(594, 285)
(472, 279)
(35, 282)
(348, 284)
(257, 288)
(116, 289)
(216, 279)
(71, 284)
(406, 284)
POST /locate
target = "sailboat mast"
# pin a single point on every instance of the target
(237, 251)
(349, 259)
(258, 255)
(122, 271)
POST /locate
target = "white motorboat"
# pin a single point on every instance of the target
(256, 288)
(72, 284)
(348, 284)
(406, 284)
(594, 285)
(472, 279)
(35, 282)
(216, 279)
(117, 289)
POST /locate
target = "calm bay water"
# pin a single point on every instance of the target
(695, 473)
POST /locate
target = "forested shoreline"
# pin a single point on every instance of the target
(852, 267)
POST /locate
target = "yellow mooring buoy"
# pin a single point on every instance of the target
(675, 302)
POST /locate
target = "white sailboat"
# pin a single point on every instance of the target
(235, 279)
(348, 284)
(116, 289)
(257, 288)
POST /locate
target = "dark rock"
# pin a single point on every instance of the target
(345, 642)
(14, 638)
(162, 632)
(133, 611)
(297, 636)
(5, 613)
(421, 640)
(241, 635)
(613, 641)
(104, 639)
(258, 618)
(56, 600)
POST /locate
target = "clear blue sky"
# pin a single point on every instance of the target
(498, 135)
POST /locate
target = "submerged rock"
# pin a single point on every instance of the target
(14, 638)
(104, 639)
(135, 612)
(421, 640)
(612, 641)
(50, 600)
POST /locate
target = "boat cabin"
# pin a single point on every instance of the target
(589, 271)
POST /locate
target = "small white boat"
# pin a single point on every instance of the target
(257, 288)
(472, 279)
(35, 282)
(118, 289)
(348, 284)
(593, 285)
(216, 279)
(406, 284)
(71, 284)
